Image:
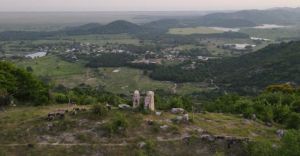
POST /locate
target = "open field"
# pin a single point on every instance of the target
(124, 81)
(274, 34)
(195, 30)
(52, 66)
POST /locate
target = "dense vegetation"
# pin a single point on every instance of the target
(279, 103)
(84, 94)
(288, 146)
(19, 84)
(110, 60)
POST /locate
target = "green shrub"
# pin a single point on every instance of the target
(88, 100)
(100, 110)
(260, 148)
(118, 125)
(60, 98)
(290, 144)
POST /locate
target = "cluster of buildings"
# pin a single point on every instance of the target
(243, 46)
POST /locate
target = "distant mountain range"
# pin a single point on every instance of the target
(246, 18)
(273, 16)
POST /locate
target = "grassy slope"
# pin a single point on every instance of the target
(52, 66)
(84, 134)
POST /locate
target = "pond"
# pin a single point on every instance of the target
(270, 26)
(226, 29)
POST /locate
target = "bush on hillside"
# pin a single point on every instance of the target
(99, 110)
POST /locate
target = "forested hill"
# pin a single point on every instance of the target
(273, 64)
(278, 63)
(116, 27)
(244, 18)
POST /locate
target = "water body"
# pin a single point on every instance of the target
(226, 29)
(270, 26)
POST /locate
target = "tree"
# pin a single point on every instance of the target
(22, 85)
(4, 98)
(29, 69)
(293, 121)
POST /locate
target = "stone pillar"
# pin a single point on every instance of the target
(149, 101)
(136, 99)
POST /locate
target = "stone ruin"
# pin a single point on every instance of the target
(136, 99)
(149, 101)
(60, 114)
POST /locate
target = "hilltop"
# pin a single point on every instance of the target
(116, 27)
(26, 129)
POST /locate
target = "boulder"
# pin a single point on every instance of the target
(108, 106)
(177, 110)
(269, 124)
(178, 119)
(124, 106)
(150, 122)
(164, 127)
(158, 113)
(280, 133)
(185, 117)
(253, 117)
(141, 144)
(208, 137)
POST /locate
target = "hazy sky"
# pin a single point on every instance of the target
(141, 5)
